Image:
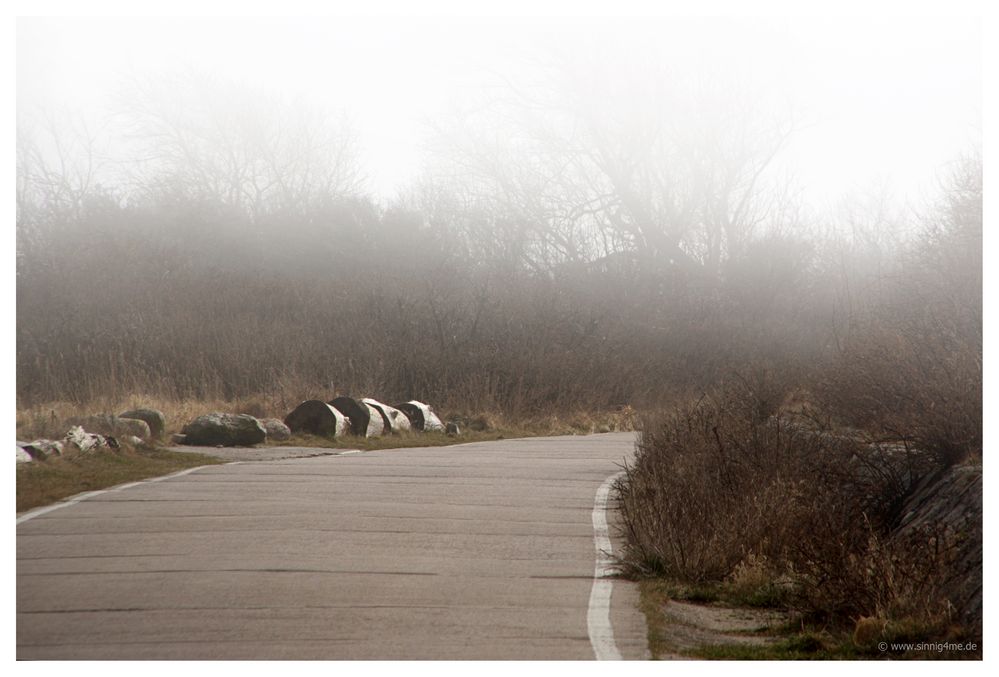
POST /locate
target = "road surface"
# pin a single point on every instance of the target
(476, 551)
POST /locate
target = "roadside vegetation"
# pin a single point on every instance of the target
(847, 492)
(56, 478)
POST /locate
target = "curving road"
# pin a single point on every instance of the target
(476, 551)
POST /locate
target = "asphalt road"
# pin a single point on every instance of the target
(477, 551)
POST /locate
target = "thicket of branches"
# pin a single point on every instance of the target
(210, 242)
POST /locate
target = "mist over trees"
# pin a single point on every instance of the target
(588, 239)
(608, 236)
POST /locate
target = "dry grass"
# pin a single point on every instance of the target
(43, 482)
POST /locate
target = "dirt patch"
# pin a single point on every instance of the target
(690, 626)
(680, 629)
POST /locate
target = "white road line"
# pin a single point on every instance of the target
(598, 621)
(31, 514)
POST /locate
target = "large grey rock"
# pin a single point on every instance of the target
(107, 424)
(276, 429)
(394, 420)
(315, 417)
(365, 421)
(945, 510)
(153, 418)
(421, 415)
(227, 430)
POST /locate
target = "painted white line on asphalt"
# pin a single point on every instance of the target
(31, 514)
(598, 621)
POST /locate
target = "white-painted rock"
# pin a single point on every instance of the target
(394, 420)
(315, 417)
(365, 421)
(79, 440)
(42, 449)
(421, 415)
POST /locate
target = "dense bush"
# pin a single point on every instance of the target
(738, 482)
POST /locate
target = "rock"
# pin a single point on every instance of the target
(177, 438)
(42, 449)
(315, 417)
(227, 430)
(421, 415)
(452, 429)
(276, 429)
(393, 420)
(152, 417)
(365, 421)
(22, 455)
(945, 510)
(80, 441)
(106, 424)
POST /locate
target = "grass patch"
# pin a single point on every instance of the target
(429, 439)
(806, 645)
(796, 639)
(764, 596)
(43, 482)
(413, 439)
(655, 592)
(652, 593)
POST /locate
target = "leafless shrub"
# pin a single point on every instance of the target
(733, 481)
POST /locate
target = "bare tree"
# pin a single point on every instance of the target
(591, 161)
(225, 142)
(60, 161)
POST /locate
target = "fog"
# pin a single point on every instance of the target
(756, 243)
(876, 101)
(494, 214)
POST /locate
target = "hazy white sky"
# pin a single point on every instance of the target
(879, 100)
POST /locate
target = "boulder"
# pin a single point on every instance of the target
(365, 421)
(393, 420)
(317, 418)
(276, 429)
(42, 449)
(227, 430)
(421, 415)
(943, 516)
(22, 455)
(152, 417)
(80, 441)
(107, 424)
